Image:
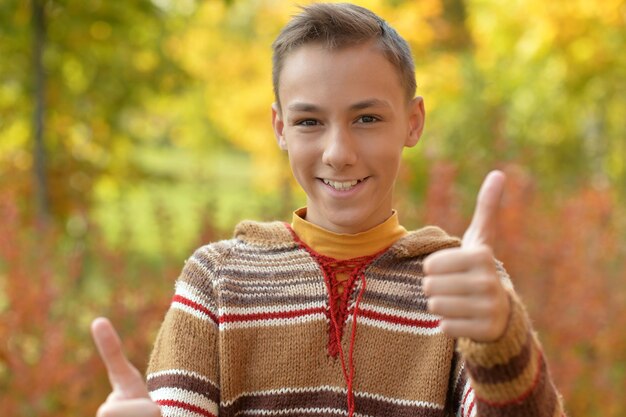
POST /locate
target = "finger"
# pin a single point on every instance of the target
(457, 260)
(472, 328)
(139, 407)
(124, 377)
(452, 285)
(479, 330)
(483, 225)
(455, 307)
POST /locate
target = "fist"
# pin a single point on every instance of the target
(462, 284)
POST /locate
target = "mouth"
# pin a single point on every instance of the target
(342, 185)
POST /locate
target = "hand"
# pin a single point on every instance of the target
(462, 283)
(129, 397)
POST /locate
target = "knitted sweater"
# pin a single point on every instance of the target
(249, 333)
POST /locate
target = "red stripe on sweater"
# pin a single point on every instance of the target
(524, 395)
(429, 324)
(230, 318)
(469, 390)
(185, 406)
(194, 305)
(469, 410)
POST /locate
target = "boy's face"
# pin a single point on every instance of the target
(344, 121)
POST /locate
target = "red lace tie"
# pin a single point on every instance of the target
(338, 305)
(338, 310)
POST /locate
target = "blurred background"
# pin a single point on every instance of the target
(133, 132)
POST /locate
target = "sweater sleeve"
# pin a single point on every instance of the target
(183, 372)
(508, 377)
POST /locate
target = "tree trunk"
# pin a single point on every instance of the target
(39, 151)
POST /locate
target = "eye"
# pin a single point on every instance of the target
(368, 119)
(307, 122)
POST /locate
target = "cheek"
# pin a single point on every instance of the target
(383, 153)
(301, 161)
(301, 150)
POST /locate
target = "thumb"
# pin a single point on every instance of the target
(482, 229)
(125, 379)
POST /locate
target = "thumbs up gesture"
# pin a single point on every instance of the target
(129, 397)
(462, 283)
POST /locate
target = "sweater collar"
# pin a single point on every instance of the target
(278, 236)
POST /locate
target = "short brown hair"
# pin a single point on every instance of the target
(339, 25)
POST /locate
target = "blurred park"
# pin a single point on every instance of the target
(133, 132)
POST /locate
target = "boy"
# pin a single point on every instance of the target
(342, 311)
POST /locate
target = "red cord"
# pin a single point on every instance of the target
(331, 284)
(355, 268)
(351, 353)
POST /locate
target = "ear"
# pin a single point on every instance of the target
(279, 125)
(417, 117)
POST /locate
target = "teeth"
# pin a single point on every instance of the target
(341, 185)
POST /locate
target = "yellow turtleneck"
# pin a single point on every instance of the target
(343, 246)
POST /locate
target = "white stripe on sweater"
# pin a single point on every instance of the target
(327, 388)
(182, 372)
(269, 309)
(185, 396)
(395, 327)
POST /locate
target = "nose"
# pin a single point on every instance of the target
(340, 149)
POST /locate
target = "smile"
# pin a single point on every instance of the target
(342, 185)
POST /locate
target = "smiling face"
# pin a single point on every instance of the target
(344, 120)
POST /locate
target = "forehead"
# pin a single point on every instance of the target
(314, 73)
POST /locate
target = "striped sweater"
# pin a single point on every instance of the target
(250, 329)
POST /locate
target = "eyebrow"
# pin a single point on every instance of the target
(303, 107)
(373, 102)
(361, 105)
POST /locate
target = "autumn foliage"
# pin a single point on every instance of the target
(52, 287)
(157, 138)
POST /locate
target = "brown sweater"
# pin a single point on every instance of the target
(251, 332)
